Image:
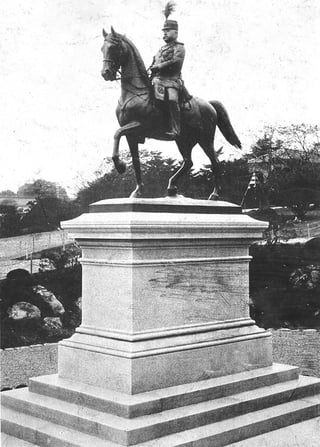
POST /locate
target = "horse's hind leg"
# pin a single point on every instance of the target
(207, 145)
(134, 150)
(185, 147)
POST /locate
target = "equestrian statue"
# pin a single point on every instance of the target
(159, 106)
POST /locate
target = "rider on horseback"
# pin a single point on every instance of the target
(166, 72)
(138, 116)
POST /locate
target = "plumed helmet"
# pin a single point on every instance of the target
(169, 24)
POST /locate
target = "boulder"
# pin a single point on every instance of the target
(315, 276)
(46, 265)
(307, 277)
(19, 275)
(17, 287)
(78, 303)
(72, 317)
(52, 322)
(23, 311)
(55, 306)
(52, 329)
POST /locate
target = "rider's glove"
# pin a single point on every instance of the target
(154, 69)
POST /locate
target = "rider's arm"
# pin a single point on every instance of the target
(176, 60)
(172, 65)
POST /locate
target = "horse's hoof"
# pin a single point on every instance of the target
(135, 194)
(119, 165)
(138, 192)
(172, 191)
(213, 196)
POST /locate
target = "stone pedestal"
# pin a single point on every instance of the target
(167, 354)
(165, 295)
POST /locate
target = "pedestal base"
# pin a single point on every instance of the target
(166, 354)
(153, 363)
(214, 412)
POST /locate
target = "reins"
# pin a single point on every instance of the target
(129, 78)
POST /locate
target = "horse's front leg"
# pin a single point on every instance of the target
(124, 130)
(134, 150)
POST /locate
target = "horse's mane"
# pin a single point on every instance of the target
(140, 64)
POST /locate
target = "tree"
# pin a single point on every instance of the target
(9, 220)
(234, 180)
(266, 145)
(297, 186)
(50, 206)
(42, 188)
(156, 171)
(46, 214)
(7, 193)
(302, 138)
(293, 160)
(295, 141)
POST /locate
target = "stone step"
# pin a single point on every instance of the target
(73, 416)
(229, 431)
(219, 434)
(35, 431)
(145, 428)
(10, 441)
(130, 406)
(306, 433)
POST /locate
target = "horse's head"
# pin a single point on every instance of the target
(113, 52)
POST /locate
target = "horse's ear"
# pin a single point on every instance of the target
(113, 31)
(104, 33)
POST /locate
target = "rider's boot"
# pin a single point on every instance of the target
(174, 120)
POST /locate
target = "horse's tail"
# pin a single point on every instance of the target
(224, 124)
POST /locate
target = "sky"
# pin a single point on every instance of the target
(260, 59)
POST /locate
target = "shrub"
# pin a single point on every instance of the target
(19, 286)
(284, 286)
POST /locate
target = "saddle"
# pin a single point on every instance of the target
(172, 90)
(189, 107)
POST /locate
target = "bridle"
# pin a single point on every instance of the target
(123, 78)
(118, 74)
(113, 65)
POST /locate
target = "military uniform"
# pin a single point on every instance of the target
(166, 77)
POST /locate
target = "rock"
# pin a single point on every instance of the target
(78, 303)
(307, 277)
(52, 329)
(17, 287)
(46, 265)
(52, 323)
(50, 299)
(24, 311)
(315, 277)
(19, 275)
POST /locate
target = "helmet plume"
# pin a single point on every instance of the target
(169, 8)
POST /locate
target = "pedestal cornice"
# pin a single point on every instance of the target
(164, 219)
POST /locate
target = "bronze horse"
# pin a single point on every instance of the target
(140, 117)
